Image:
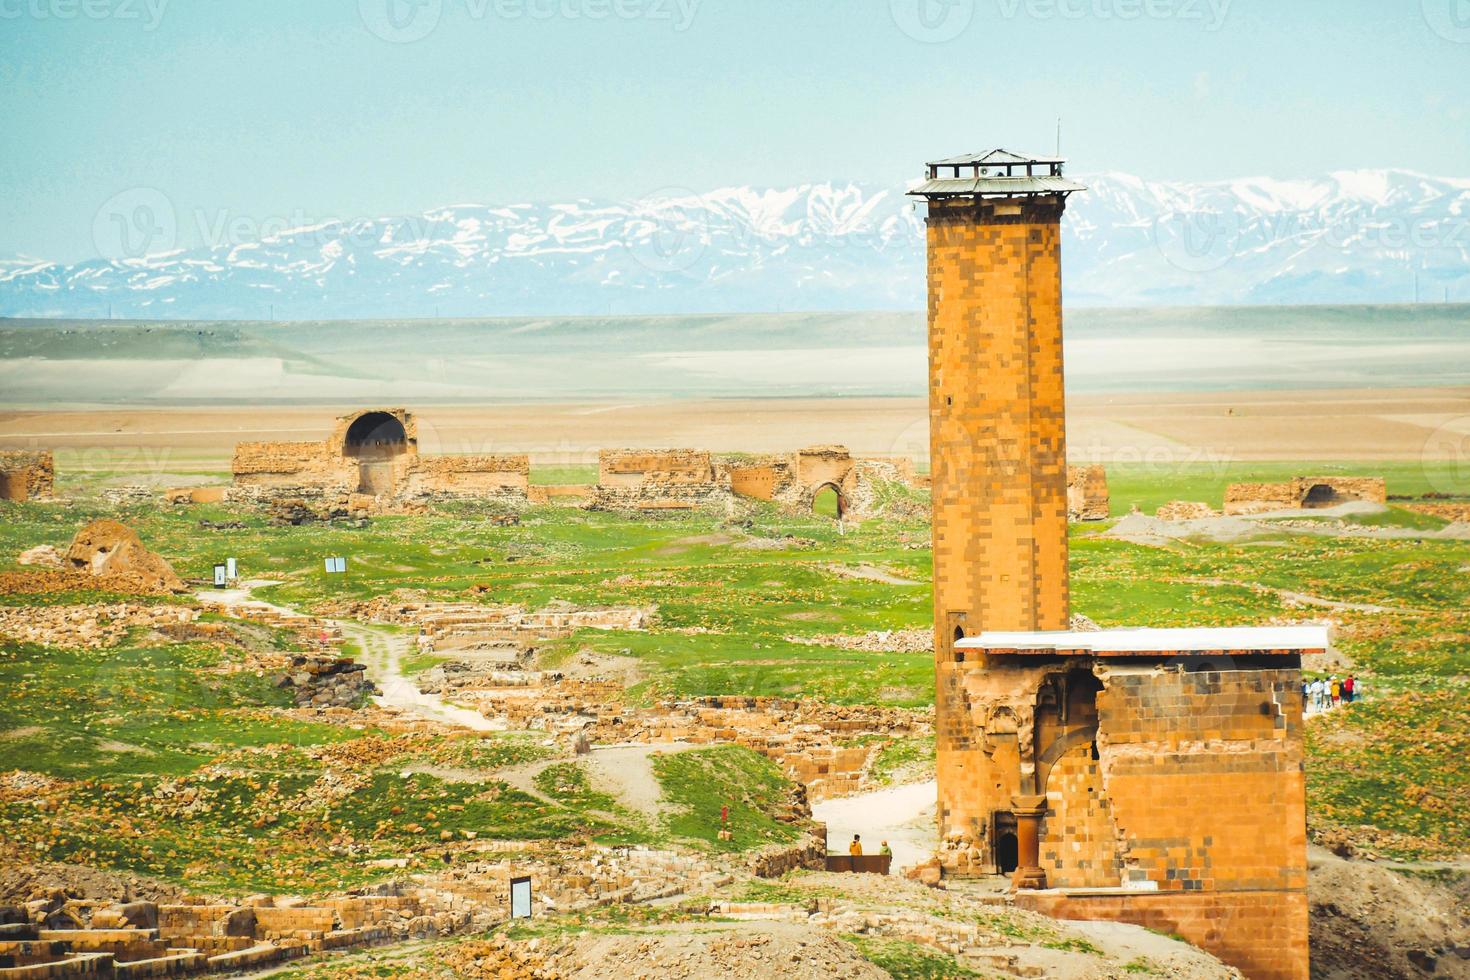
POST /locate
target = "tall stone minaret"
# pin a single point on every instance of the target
(998, 454)
(996, 400)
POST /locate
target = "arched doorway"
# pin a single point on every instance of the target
(375, 440)
(1321, 495)
(828, 502)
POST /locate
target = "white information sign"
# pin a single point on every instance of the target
(520, 898)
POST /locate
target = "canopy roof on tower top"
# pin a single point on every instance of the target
(996, 173)
(996, 157)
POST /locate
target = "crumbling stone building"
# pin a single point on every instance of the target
(1087, 493)
(677, 479)
(1304, 492)
(26, 474)
(1147, 776)
(371, 459)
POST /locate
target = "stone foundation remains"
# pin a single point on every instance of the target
(1304, 492)
(27, 475)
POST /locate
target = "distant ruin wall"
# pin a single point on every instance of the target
(654, 480)
(370, 456)
(759, 482)
(820, 465)
(265, 463)
(1304, 491)
(1087, 493)
(468, 476)
(639, 467)
(27, 474)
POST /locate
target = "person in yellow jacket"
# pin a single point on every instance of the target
(1336, 690)
(856, 847)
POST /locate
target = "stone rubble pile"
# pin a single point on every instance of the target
(326, 682)
(874, 641)
(90, 627)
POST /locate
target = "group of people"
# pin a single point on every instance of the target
(1328, 692)
(856, 847)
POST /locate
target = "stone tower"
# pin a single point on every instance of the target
(996, 401)
(1154, 775)
(998, 445)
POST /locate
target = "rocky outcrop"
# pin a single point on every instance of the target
(114, 555)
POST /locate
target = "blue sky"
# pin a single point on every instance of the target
(343, 108)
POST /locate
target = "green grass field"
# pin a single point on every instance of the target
(169, 761)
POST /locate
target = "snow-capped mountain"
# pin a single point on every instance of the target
(1353, 237)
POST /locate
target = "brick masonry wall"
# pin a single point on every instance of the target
(1261, 934)
(638, 467)
(997, 417)
(1204, 776)
(27, 474)
(1079, 841)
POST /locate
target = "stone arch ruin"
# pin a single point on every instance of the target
(370, 462)
(841, 501)
(376, 441)
(1305, 493)
(375, 434)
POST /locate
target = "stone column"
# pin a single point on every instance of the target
(1028, 810)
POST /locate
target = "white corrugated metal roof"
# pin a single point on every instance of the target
(1180, 640)
(971, 186)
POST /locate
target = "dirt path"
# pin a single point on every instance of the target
(624, 772)
(382, 654)
(902, 815)
(871, 573)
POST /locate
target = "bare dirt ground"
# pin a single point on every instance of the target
(1371, 923)
(1391, 423)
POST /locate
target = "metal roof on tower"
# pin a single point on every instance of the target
(996, 173)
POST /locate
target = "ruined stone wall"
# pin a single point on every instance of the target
(650, 480)
(1372, 489)
(640, 467)
(820, 465)
(761, 481)
(997, 417)
(1087, 493)
(1204, 776)
(1079, 841)
(1255, 498)
(1262, 934)
(468, 476)
(27, 474)
(281, 464)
